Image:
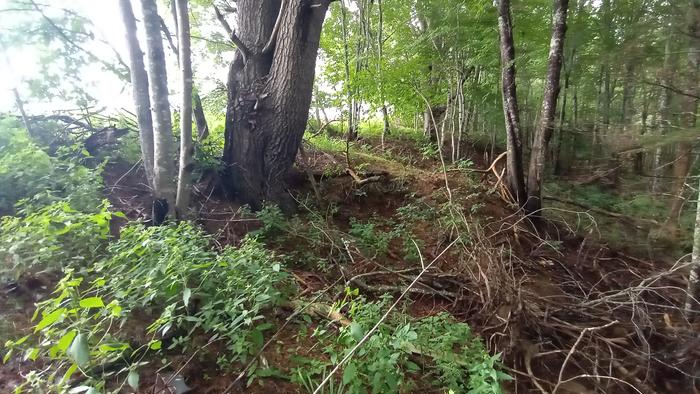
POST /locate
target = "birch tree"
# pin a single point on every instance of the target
(184, 182)
(549, 107)
(163, 140)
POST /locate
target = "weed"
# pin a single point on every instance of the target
(384, 364)
(54, 237)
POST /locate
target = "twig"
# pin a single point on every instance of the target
(381, 320)
(245, 52)
(573, 349)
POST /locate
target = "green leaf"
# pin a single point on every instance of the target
(71, 370)
(186, 294)
(156, 345)
(92, 302)
(79, 351)
(356, 331)
(7, 356)
(349, 373)
(133, 380)
(50, 319)
(66, 340)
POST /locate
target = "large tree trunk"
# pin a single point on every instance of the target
(549, 108)
(514, 165)
(184, 181)
(269, 95)
(139, 83)
(163, 140)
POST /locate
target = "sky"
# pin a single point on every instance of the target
(18, 65)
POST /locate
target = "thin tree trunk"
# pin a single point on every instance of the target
(690, 106)
(514, 165)
(200, 118)
(163, 140)
(184, 183)
(549, 108)
(197, 108)
(380, 52)
(139, 83)
(664, 107)
(351, 133)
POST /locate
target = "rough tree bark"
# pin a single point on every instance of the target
(549, 108)
(163, 140)
(139, 83)
(514, 165)
(270, 85)
(184, 181)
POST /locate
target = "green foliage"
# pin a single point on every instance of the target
(273, 221)
(174, 268)
(73, 334)
(54, 237)
(30, 175)
(451, 356)
(170, 272)
(371, 239)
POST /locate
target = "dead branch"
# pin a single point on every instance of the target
(275, 29)
(360, 181)
(245, 52)
(573, 349)
(636, 221)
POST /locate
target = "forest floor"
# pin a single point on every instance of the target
(566, 312)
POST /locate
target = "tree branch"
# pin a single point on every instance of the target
(168, 36)
(671, 88)
(275, 29)
(245, 52)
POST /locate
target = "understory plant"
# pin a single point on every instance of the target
(445, 352)
(52, 238)
(170, 274)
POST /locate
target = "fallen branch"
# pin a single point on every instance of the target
(360, 181)
(573, 349)
(648, 222)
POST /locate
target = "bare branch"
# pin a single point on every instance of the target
(275, 30)
(245, 52)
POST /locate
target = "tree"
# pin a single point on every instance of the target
(270, 85)
(514, 165)
(549, 107)
(139, 83)
(186, 146)
(690, 106)
(163, 166)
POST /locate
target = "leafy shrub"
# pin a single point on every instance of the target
(53, 237)
(74, 335)
(383, 364)
(171, 271)
(371, 240)
(273, 221)
(28, 173)
(174, 266)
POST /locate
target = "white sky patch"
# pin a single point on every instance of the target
(110, 92)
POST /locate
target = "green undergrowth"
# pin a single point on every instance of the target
(631, 203)
(402, 354)
(171, 274)
(122, 308)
